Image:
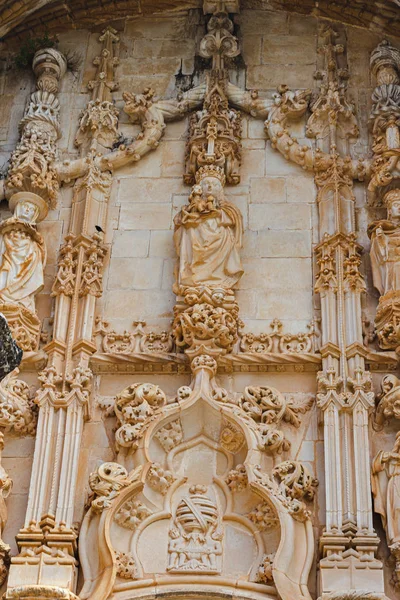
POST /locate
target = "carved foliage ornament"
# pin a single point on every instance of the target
(269, 408)
(106, 483)
(134, 408)
(208, 317)
(292, 484)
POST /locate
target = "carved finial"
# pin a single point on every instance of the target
(385, 63)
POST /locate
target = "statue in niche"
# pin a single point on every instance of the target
(386, 490)
(208, 235)
(195, 537)
(385, 246)
(22, 251)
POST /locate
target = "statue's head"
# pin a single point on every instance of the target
(212, 180)
(27, 211)
(392, 202)
(28, 207)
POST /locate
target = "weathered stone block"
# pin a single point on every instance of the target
(145, 216)
(267, 189)
(279, 216)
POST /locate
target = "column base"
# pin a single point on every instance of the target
(39, 592)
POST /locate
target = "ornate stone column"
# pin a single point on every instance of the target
(47, 542)
(31, 187)
(344, 386)
(385, 189)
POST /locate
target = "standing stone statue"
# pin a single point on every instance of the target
(208, 235)
(386, 490)
(22, 252)
(385, 246)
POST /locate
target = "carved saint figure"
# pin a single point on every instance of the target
(195, 538)
(22, 254)
(386, 490)
(208, 235)
(385, 246)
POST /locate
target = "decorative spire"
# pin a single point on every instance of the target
(332, 118)
(215, 131)
(99, 121)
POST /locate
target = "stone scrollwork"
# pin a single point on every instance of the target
(269, 408)
(106, 483)
(17, 411)
(206, 317)
(279, 341)
(132, 342)
(292, 484)
(134, 408)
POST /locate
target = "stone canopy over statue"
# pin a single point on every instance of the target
(208, 235)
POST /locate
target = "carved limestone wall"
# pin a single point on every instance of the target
(207, 313)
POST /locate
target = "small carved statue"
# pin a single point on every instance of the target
(385, 246)
(208, 235)
(22, 252)
(386, 490)
(5, 489)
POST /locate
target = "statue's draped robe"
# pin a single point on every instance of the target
(21, 270)
(385, 257)
(386, 491)
(208, 247)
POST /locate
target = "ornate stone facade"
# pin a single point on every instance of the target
(199, 262)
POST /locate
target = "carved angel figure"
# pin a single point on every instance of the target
(385, 246)
(386, 490)
(23, 254)
(208, 235)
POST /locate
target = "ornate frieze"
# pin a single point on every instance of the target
(131, 342)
